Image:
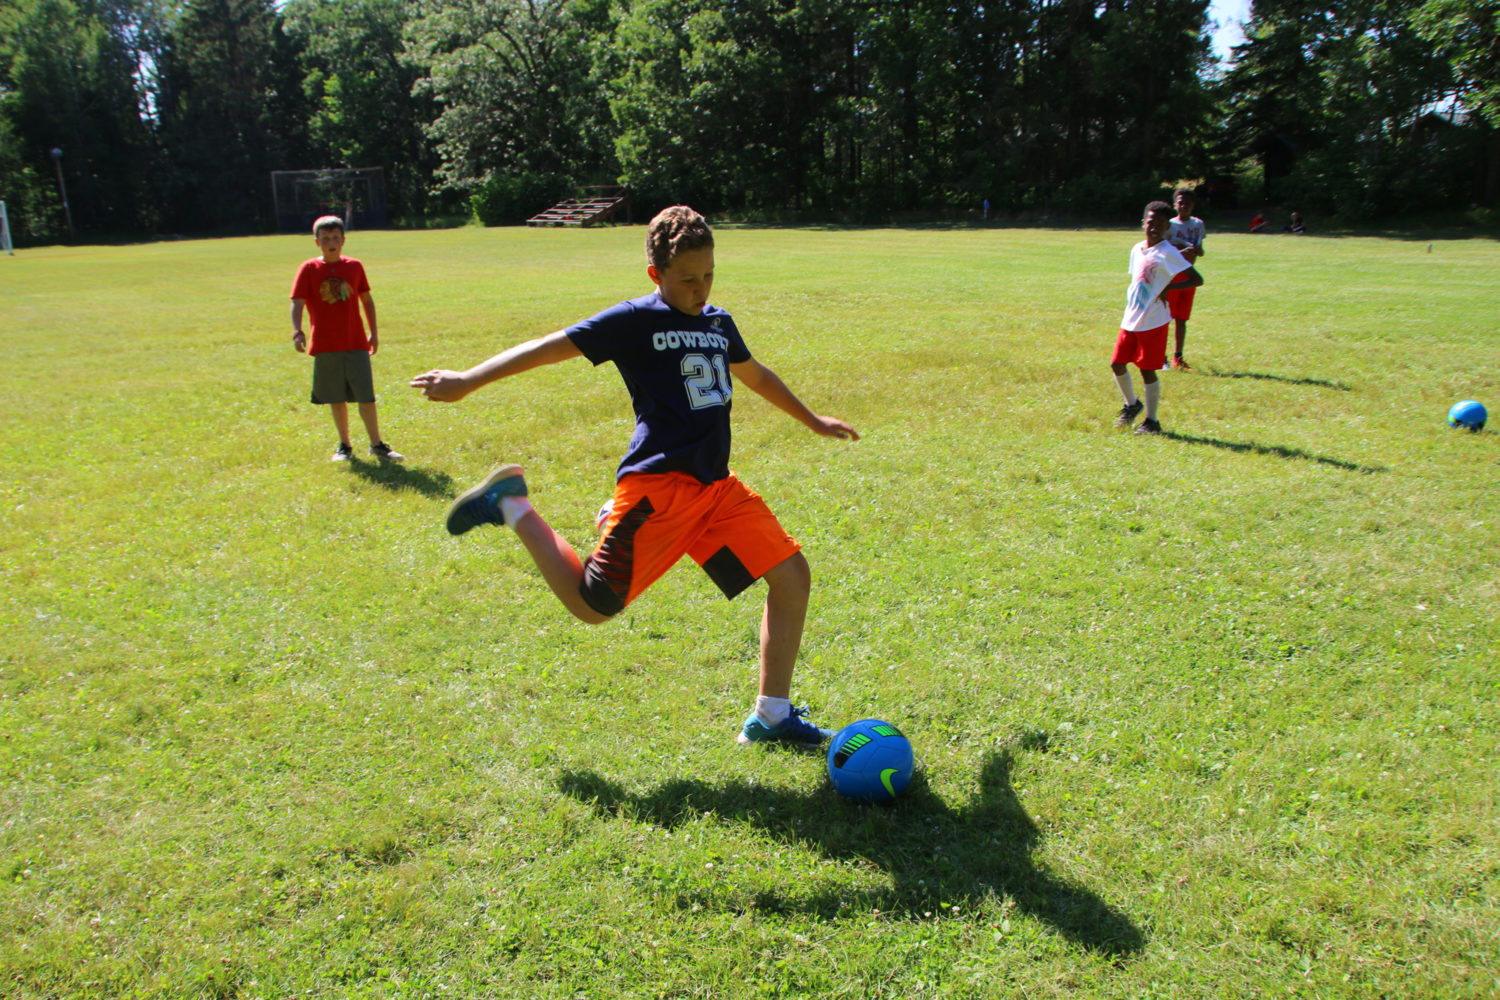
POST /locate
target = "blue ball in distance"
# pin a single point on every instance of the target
(870, 761)
(1468, 414)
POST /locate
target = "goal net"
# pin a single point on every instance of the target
(354, 194)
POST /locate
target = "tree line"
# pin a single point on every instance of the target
(168, 116)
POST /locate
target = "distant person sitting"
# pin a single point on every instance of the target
(1259, 224)
(1296, 225)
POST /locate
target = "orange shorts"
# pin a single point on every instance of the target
(657, 518)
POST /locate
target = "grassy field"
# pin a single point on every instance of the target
(1205, 716)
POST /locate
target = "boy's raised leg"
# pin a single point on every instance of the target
(501, 498)
(558, 563)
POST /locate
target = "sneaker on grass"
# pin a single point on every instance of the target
(342, 453)
(386, 453)
(1129, 413)
(793, 729)
(481, 504)
(1148, 426)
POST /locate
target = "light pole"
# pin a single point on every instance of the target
(67, 212)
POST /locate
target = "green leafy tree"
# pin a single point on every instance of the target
(1337, 102)
(1110, 98)
(772, 104)
(67, 83)
(513, 83)
(1465, 34)
(359, 85)
(230, 110)
(868, 109)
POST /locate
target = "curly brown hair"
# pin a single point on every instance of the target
(675, 230)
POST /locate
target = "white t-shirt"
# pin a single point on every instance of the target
(1187, 234)
(1151, 270)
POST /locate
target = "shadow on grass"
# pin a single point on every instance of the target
(936, 855)
(394, 477)
(1325, 383)
(1276, 450)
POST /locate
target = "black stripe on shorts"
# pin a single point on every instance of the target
(607, 571)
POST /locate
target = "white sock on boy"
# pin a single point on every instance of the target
(1126, 390)
(1152, 392)
(772, 711)
(513, 508)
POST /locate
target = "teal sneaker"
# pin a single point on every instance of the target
(481, 504)
(793, 729)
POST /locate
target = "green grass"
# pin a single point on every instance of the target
(1206, 716)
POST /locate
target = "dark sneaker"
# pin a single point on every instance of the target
(1179, 364)
(793, 729)
(386, 453)
(1148, 426)
(481, 504)
(1129, 413)
(343, 454)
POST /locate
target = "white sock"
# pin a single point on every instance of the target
(1126, 390)
(513, 507)
(772, 711)
(1152, 392)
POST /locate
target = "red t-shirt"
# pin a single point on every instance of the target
(332, 293)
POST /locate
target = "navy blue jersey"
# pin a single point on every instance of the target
(676, 367)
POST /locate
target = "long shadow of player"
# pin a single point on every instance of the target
(1279, 451)
(395, 477)
(1268, 377)
(936, 855)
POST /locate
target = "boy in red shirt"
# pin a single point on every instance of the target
(331, 288)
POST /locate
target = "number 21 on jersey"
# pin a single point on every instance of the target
(707, 382)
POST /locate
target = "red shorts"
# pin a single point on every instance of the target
(1146, 349)
(1180, 302)
(658, 518)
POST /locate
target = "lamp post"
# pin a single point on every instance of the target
(63, 188)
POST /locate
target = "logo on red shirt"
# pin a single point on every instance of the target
(334, 290)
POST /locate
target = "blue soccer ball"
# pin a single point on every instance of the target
(870, 761)
(1468, 415)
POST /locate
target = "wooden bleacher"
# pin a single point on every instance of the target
(594, 204)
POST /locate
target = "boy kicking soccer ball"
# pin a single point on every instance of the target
(674, 494)
(1155, 267)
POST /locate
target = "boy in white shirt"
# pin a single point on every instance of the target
(1186, 233)
(1155, 267)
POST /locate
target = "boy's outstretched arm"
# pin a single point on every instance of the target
(767, 384)
(445, 386)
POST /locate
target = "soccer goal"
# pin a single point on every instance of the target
(5, 243)
(354, 194)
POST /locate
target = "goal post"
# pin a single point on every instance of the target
(5, 243)
(354, 194)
